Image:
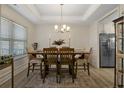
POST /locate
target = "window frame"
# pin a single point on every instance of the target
(11, 39)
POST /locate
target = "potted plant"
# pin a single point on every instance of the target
(58, 42)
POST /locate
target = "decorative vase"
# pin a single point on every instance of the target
(35, 46)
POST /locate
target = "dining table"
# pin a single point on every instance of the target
(76, 54)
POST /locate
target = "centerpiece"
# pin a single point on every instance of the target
(58, 42)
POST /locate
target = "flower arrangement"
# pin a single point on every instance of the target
(35, 46)
(58, 42)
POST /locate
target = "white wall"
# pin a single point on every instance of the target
(20, 64)
(94, 43)
(78, 35)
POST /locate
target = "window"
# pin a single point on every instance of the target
(4, 47)
(19, 40)
(13, 38)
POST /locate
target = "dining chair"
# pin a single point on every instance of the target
(50, 58)
(84, 61)
(67, 58)
(34, 62)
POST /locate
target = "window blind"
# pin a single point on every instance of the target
(19, 32)
(13, 38)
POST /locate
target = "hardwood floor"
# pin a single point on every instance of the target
(99, 78)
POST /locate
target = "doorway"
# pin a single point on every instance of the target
(107, 40)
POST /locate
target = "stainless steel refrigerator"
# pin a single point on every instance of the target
(107, 49)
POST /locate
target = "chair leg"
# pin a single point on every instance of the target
(41, 70)
(73, 73)
(60, 73)
(57, 78)
(76, 71)
(88, 69)
(44, 74)
(84, 67)
(57, 72)
(46, 69)
(69, 69)
(28, 69)
(33, 67)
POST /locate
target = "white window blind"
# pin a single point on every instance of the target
(19, 32)
(5, 28)
(19, 36)
(5, 35)
(19, 48)
(13, 38)
(5, 49)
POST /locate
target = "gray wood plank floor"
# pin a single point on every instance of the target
(99, 78)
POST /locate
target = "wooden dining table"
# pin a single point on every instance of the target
(76, 54)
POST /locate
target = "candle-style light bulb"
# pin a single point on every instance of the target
(68, 28)
(64, 26)
(56, 27)
(62, 29)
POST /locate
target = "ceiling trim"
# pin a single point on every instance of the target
(33, 9)
(108, 14)
(90, 11)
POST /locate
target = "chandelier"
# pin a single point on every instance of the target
(62, 27)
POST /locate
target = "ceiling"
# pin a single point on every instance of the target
(72, 13)
(68, 10)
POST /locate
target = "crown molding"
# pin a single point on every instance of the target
(90, 11)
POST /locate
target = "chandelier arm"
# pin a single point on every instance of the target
(61, 14)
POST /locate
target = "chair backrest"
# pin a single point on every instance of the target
(29, 49)
(91, 49)
(51, 54)
(88, 56)
(30, 57)
(66, 54)
(51, 50)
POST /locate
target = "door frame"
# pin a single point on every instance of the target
(104, 17)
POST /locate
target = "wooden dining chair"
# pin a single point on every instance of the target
(34, 62)
(50, 58)
(84, 61)
(67, 58)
